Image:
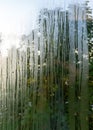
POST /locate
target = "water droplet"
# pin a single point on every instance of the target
(38, 34)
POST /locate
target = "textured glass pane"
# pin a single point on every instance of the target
(46, 65)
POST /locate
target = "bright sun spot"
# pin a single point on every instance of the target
(15, 20)
(7, 42)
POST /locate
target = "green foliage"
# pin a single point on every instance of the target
(90, 46)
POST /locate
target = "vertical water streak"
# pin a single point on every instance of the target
(84, 84)
(72, 67)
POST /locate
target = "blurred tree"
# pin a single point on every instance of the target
(90, 47)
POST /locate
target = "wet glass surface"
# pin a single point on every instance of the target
(46, 65)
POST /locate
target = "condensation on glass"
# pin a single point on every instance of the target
(44, 82)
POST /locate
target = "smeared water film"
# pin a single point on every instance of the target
(46, 78)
